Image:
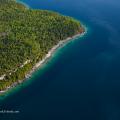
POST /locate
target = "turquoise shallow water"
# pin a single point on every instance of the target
(82, 80)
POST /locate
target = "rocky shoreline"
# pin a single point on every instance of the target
(48, 55)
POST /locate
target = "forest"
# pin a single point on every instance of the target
(27, 35)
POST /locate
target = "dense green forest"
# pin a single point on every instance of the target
(27, 34)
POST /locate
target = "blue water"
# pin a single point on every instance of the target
(82, 81)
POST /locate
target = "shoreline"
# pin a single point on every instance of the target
(23, 3)
(44, 60)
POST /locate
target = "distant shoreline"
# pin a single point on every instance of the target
(47, 56)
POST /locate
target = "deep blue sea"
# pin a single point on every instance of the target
(82, 80)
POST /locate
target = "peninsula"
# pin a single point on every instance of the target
(28, 38)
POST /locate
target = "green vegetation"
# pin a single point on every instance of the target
(27, 34)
